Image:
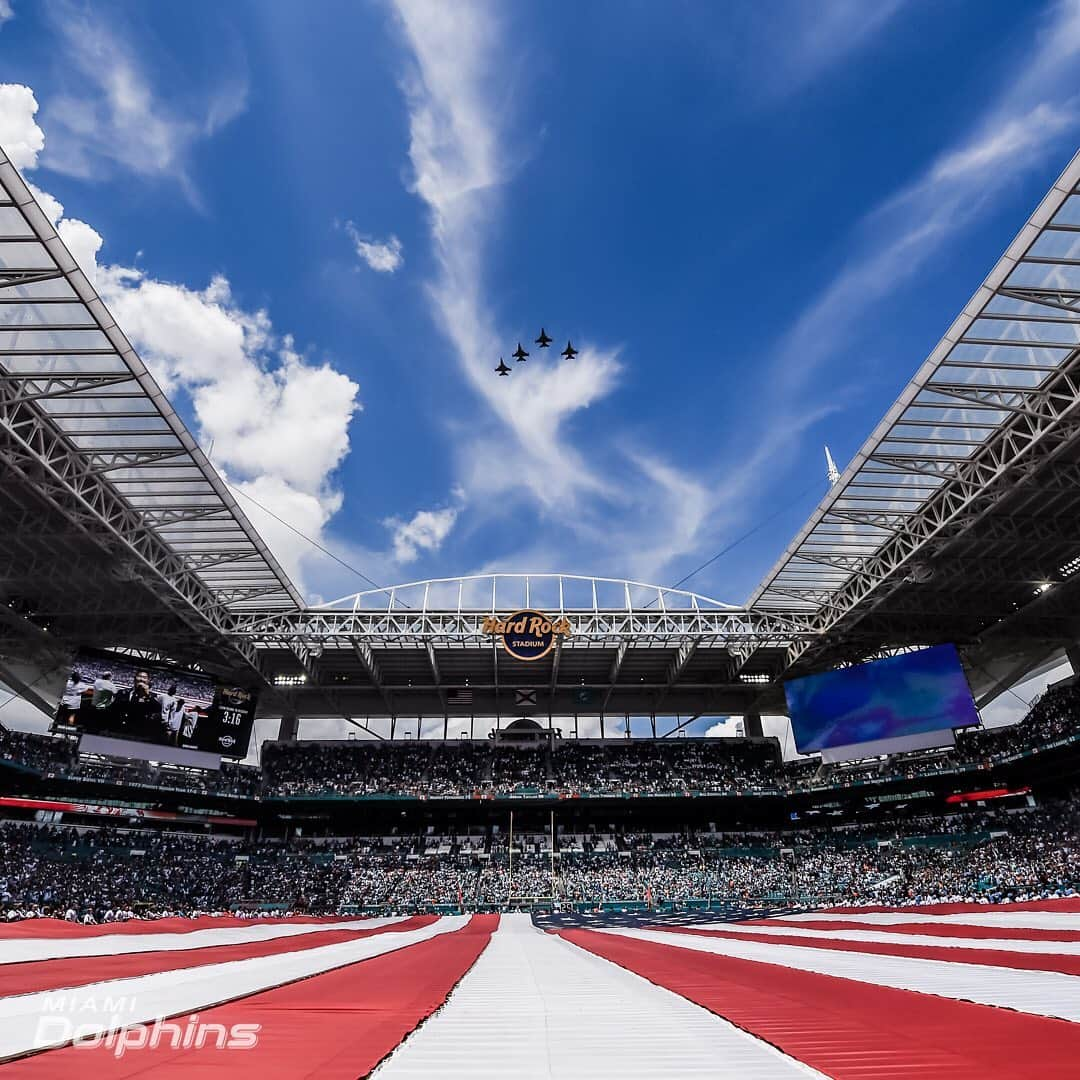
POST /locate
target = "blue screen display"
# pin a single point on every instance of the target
(885, 699)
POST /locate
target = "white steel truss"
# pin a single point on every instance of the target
(449, 612)
(84, 424)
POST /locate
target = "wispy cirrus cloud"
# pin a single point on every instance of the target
(820, 35)
(459, 167)
(107, 115)
(1034, 115)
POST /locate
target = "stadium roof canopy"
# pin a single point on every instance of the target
(114, 524)
(959, 520)
(960, 515)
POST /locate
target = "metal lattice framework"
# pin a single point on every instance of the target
(86, 430)
(995, 404)
(420, 649)
(448, 612)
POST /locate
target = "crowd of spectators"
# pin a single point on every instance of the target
(572, 767)
(359, 768)
(39, 753)
(57, 757)
(100, 875)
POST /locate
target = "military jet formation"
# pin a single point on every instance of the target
(520, 355)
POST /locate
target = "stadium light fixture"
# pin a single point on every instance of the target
(1070, 568)
(290, 680)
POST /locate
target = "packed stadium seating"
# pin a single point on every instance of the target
(86, 873)
(57, 757)
(587, 767)
(458, 769)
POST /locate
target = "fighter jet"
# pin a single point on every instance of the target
(569, 352)
(519, 353)
(502, 369)
(543, 340)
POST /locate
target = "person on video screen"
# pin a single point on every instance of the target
(172, 711)
(96, 712)
(139, 710)
(71, 699)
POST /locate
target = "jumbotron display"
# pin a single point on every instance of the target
(112, 695)
(914, 694)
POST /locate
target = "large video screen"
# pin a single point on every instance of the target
(128, 698)
(911, 694)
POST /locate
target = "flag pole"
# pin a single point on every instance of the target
(552, 858)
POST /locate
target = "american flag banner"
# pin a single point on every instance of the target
(958, 991)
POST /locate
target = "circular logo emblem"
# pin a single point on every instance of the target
(527, 635)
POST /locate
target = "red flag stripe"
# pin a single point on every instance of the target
(26, 950)
(1065, 904)
(59, 928)
(335, 1026)
(853, 1030)
(1067, 965)
(965, 930)
(41, 975)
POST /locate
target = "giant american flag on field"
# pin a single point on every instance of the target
(952, 991)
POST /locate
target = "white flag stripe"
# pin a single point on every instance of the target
(24, 950)
(1042, 993)
(1017, 945)
(1022, 920)
(144, 998)
(534, 1005)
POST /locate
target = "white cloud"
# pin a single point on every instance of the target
(52, 207)
(424, 532)
(20, 135)
(82, 240)
(383, 256)
(7, 13)
(108, 114)
(725, 728)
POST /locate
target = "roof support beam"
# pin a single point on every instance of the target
(681, 724)
(367, 657)
(555, 661)
(613, 673)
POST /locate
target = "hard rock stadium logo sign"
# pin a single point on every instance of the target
(527, 635)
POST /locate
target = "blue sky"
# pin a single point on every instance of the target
(755, 220)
